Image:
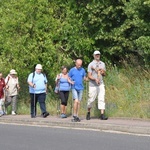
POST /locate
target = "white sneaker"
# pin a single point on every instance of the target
(13, 113)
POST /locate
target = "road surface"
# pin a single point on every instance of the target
(18, 137)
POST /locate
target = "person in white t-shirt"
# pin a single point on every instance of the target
(96, 72)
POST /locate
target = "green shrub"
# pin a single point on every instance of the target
(127, 95)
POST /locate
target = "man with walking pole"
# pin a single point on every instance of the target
(77, 75)
(37, 88)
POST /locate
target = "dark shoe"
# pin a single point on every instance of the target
(65, 116)
(5, 112)
(32, 116)
(103, 117)
(88, 116)
(78, 120)
(74, 119)
(45, 114)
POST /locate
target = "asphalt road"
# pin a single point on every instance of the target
(16, 137)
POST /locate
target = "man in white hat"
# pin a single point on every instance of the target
(12, 87)
(37, 88)
(96, 71)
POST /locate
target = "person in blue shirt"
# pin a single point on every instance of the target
(77, 75)
(63, 83)
(37, 88)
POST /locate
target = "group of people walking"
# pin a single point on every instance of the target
(65, 81)
(74, 80)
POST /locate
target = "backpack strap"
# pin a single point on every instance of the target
(44, 77)
(7, 79)
(33, 76)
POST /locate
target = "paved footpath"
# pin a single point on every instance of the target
(125, 125)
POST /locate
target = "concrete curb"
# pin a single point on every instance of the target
(111, 125)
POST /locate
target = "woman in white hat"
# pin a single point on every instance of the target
(12, 87)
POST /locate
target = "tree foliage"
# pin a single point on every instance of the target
(117, 28)
(55, 33)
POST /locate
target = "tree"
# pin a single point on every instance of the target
(55, 33)
(117, 28)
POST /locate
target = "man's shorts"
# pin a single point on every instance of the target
(77, 94)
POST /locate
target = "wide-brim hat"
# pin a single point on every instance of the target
(12, 71)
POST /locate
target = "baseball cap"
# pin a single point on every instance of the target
(96, 52)
(38, 66)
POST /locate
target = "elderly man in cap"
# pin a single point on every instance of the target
(12, 87)
(96, 71)
(37, 88)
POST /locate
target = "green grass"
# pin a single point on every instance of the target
(127, 95)
(128, 91)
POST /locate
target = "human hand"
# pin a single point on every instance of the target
(18, 87)
(58, 77)
(34, 86)
(72, 82)
(86, 79)
(7, 87)
(46, 91)
(97, 81)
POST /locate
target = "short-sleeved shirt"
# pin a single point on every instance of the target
(40, 82)
(98, 65)
(2, 85)
(77, 76)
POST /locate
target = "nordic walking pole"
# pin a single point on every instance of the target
(58, 106)
(72, 101)
(34, 104)
(34, 100)
(72, 104)
(87, 80)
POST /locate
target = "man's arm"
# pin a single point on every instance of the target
(31, 84)
(92, 78)
(29, 81)
(46, 87)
